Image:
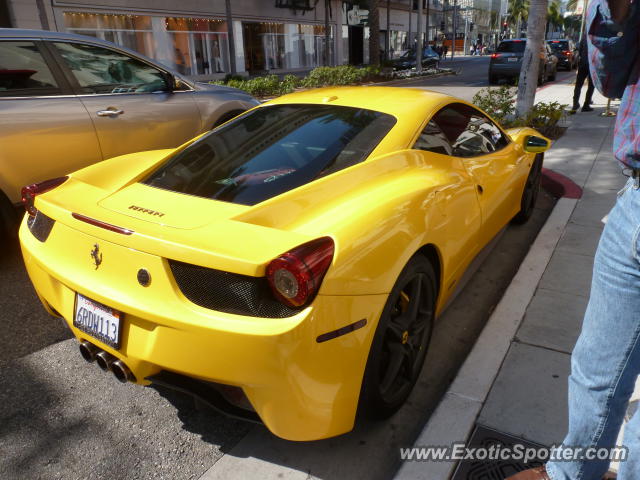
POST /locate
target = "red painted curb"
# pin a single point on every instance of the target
(559, 186)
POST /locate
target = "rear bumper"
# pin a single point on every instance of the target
(301, 389)
(505, 69)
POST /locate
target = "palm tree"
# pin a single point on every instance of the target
(374, 33)
(554, 17)
(531, 59)
(518, 11)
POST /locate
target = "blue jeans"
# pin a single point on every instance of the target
(606, 358)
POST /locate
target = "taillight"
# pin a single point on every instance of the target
(30, 192)
(295, 276)
(567, 53)
(495, 55)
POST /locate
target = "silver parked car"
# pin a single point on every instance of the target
(67, 101)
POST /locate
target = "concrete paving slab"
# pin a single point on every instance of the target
(553, 320)
(568, 273)
(593, 208)
(580, 239)
(529, 396)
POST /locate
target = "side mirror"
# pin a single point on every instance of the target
(534, 144)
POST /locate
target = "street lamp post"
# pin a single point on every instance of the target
(427, 23)
(419, 46)
(454, 24)
(232, 44)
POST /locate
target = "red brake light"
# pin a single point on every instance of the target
(567, 52)
(295, 276)
(495, 55)
(30, 192)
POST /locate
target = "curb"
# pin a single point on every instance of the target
(456, 414)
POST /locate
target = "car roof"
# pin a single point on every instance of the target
(24, 33)
(396, 101)
(514, 40)
(16, 33)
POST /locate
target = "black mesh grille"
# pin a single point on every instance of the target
(40, 226)
(228, 292)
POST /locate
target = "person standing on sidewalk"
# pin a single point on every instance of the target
(583, 74)
(606, 359)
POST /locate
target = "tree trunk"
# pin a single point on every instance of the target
(531, 60)
(374, 33)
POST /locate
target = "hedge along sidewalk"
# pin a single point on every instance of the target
(270, 86)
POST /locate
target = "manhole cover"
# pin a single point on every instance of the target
(493, 469)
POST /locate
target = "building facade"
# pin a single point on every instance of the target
(276, 36)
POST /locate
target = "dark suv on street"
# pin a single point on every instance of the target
(566, 51)
(506, 62)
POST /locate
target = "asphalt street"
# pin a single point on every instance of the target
(472, 76)
(65, 419)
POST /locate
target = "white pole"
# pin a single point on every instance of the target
(419, 46)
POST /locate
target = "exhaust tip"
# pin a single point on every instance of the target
(104, 360)
(88, 351)
(122, 372)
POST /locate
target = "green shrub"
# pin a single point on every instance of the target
(340, 75)
(288, 84)
(500, 104)
(497, 102)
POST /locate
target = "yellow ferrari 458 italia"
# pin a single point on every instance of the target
(287, 266)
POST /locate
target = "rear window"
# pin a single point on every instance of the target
(559, 45)
(512, 47)
(272, 150)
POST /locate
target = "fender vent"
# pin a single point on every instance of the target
(228, 292)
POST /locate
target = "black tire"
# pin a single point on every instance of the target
(542, 76)
(8, 225)
(493, 80)
(401, 341)
(530, 192)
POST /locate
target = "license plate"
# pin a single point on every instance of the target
(512, 59)
(99, 321)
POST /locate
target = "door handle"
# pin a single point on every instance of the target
(109, 112)
(480, 189)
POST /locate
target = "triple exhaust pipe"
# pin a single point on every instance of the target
(106, 362)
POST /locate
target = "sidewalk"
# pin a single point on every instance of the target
(514, 382)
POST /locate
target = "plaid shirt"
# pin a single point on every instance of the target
(614, 54)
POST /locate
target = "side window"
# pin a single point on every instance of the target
(433, 140)
(101, 70)
(469, 132)
(23, 71)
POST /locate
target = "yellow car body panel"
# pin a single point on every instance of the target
(379, 213)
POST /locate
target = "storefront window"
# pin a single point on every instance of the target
(131, 31)
(193, 46)
(200, 45)
(283, 46)
(397, 43)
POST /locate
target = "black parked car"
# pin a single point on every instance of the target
(408, 60)
(566, 51)
(506, 62)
